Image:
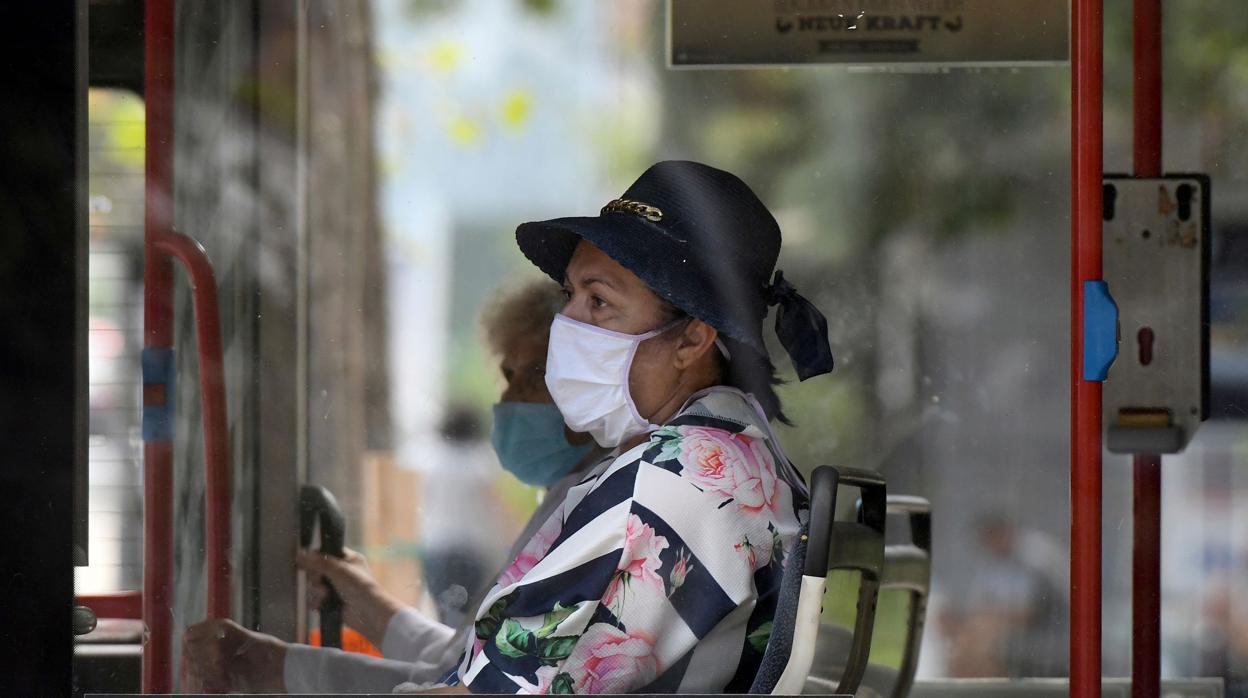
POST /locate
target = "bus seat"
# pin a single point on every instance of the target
(907, 567)
(829, 545)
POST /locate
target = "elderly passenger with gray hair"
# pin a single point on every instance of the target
(532, 443)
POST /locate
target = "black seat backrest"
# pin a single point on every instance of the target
(776, 656)
(827, 544)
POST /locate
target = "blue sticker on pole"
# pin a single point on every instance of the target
(158, 394)
(1100, 330)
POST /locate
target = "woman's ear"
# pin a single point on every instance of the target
(695, 342)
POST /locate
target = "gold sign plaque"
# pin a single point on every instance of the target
(961, 33)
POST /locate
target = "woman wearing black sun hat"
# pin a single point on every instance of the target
(660, 570)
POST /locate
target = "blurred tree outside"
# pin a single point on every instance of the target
(927, 215)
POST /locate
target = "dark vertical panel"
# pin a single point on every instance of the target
(274, 535)
(82, 418)
(216, 204)
(39, 242)
(343, 237)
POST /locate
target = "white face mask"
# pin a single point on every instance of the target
(587, 374)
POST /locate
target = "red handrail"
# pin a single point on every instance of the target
(212, 397)
(161, 245)
(121, 604)
(1085, 424)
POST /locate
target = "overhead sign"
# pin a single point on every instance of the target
(743, 33)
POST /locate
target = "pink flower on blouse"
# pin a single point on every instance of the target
(751, 551)
(730, 465)
(680, 570)
(642, 548)
(534, 550)
(639, 562)
(609, 660)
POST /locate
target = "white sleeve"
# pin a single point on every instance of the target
(323, 670)
(413, 637)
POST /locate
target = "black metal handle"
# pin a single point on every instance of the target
(920, 513)
(841, 544)
(84, 620)
(824, 482)
(873, 500)
(318, 506)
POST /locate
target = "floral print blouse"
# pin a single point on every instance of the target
(659, 572)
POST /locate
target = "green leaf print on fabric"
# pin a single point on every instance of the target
(514, 641)
(760, 637)
(563, 685)
(487, 626)
(668, 439)
(553, 617)
(556, 649)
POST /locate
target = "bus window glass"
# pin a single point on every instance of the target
(356, 172)
(115, 266)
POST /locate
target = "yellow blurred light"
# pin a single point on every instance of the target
(465, 132)
(517, 107)
(445, 57)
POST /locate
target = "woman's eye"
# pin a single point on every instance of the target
(567, 294)
(598, 302)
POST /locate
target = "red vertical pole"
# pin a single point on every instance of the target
(158, 334)
(1147, 89)
(1146, 554)
(1146, 579)
(1085, 429)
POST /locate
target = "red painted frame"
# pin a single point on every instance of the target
(1087, 164)
(121, 604)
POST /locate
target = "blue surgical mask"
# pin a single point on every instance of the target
(529, 440)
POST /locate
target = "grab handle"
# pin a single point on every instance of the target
(318, 506)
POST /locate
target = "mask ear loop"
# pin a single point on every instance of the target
(651, 426)
(791, 474)
(628, 371)
(719, 342)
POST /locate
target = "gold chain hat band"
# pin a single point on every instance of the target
(646, 211)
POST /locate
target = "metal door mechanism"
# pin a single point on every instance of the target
(1156, 259)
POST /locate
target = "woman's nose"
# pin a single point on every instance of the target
(577, 309)
(510, 394)
(526, 391)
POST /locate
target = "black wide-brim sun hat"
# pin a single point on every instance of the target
(704, 242)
